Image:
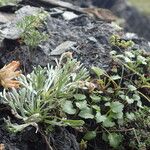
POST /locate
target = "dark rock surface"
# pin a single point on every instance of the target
(91, 37)
(135, 21)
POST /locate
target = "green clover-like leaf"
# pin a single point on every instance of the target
(108, 122)
(86, 113)
(89, 135)
(95, 98)
(79, 97)
(68, 108)
(114, 139)
(117, 107)
(81, 104)
(100, 118)
(131, 87)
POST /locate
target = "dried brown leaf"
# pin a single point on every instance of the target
(8, 73)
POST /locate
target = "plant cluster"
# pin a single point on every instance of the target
(120, 97)
(117, 42)
(43, 94)
(29, 26)
(117, 98)
(66, 95)
(141, 120)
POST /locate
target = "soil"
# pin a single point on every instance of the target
(91, 47)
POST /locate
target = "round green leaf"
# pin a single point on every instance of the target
(79, 96)
(81, 104)
(100, 118)
(130, 116)
(86, 113)
(108, 123)
(129, 54)
(129, 100)
(89, 135)
(68, 108)
(96, 107)
(114, 140)
(95, 98)
(131, 87)
(117, 107)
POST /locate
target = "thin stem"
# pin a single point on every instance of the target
(122, 73)
(105, 129)
(136, 135)
(46, 140)
(144, 96)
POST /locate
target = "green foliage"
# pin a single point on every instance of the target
(116, 41)
(122, 92)
(113, 101)
(86, 113)
(68, 108)
(29, 25)
(89, 135)
(114, 139)
(119, 96)
(141, 120)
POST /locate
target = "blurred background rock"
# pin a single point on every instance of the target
(142, 5)
(136, 13)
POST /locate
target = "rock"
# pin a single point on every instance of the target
(63, 140)
(67, 15)
(6, 17)
(26, 11)
(130, 36)
(63, 47)
(78, 32)
(82, 3)
(101, 14)
(135, 21)
(55, 12)
(139, 43)
(9, 5)
(92, 39)
(10, 29)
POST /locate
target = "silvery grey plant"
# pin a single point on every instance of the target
(43, 93)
